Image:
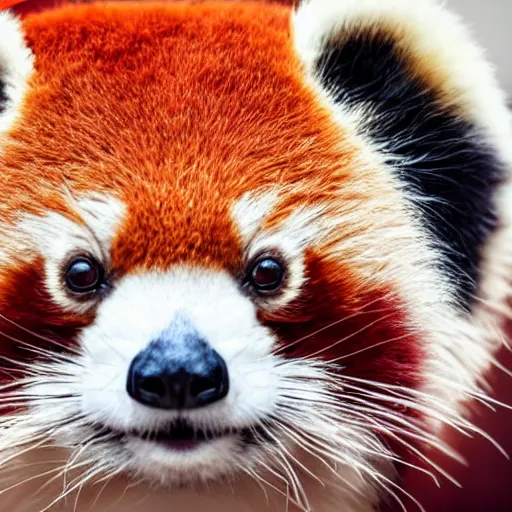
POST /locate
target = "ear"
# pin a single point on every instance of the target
(409, 77)
(399, 57)
(16, 65)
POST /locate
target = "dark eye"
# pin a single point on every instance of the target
(84, 275)
(267, 275)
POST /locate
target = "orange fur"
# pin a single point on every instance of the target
(178, 133)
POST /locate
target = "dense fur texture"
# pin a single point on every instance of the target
(177, 145)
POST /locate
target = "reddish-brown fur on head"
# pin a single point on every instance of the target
(179, 133)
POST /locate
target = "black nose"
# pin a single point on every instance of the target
(179, 370)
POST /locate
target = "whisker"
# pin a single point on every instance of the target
(371, 347)
(287, 453)
(29, 479)
(40, 351)
(458, 423)
(333, 324)
(379, 454)
(294, 480)
(35, 334)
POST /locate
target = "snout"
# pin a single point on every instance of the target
(178, 370)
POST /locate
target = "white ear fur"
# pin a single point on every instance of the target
(16, 64)
(441, 46)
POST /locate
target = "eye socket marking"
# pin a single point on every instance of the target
(84, 274)
(266, 274)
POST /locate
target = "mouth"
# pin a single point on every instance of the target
(183, 436)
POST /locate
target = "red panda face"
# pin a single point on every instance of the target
(209, 266)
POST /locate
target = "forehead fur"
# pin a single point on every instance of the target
(181, 109)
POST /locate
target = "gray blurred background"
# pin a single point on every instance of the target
(491, 21)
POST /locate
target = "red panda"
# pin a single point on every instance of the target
(253, 257)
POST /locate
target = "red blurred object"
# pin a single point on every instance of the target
(22, 7)
(5, 4)
(487, 480)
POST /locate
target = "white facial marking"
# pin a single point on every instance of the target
(140, 309)
(250, 212)
(16, 64)
(56, 237)
(303, 229)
